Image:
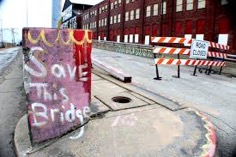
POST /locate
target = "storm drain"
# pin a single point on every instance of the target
(121, 99)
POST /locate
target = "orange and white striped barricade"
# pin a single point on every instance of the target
(169, 50)
(184, 51)
(214, 55)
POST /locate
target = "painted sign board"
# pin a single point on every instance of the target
(57, 80)
(199, 49)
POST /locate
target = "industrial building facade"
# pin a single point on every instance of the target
(135, 21)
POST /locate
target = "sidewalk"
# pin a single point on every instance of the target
(141, 127)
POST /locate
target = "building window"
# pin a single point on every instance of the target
(112, 6)
(148, 11)
(224, 2)
(127, 1)
(164, 7)
(155, 9)
(132, 15)
(201, 4)
(111, 20)
(137, 13)
(189, 5)
(105, 22)
(119, 2)
(127, 16)
(115, 5)
(118, 20)
(115, 19)
(179, 5)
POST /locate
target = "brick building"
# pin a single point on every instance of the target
(71, 14)
(135, 21)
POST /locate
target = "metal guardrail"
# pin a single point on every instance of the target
(231, 58)
(128, 48)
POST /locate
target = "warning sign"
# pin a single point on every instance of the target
(199, 49)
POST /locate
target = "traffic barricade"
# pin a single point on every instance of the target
(186, 51)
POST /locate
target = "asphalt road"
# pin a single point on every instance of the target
(213, 95)
(12, 100)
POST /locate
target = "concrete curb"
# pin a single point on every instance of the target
(112, 71)
(208, 150)
(22, 145)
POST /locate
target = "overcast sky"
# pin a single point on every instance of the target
(28, 13)
(24, 13)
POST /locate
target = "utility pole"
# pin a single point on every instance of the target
(13, 36)
(2, 44)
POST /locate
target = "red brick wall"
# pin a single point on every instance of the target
(210, 21)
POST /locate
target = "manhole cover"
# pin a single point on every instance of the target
(121, 99)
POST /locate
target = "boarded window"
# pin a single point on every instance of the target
(224, 26)
(111, 35)
(189, 27)
(147, 30)
(154, 30)
(131, 30)
(164, 30)
(126, 31)
(178, 28)
(137, 30)
(200, 27)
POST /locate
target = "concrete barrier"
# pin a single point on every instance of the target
(57, 80)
